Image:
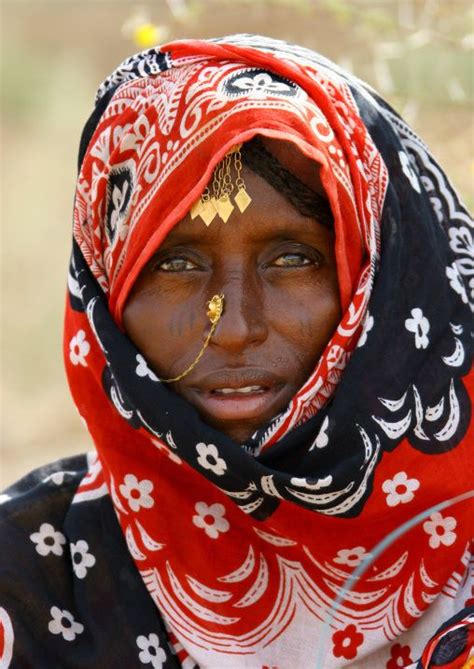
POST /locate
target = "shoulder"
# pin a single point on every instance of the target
(67, 580)
(34, 557)
(32, 516)
(44, 493)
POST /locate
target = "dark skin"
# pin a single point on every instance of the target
(277, 271)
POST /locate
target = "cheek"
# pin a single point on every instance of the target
(306, 324)
(162, 332)
(181, 322)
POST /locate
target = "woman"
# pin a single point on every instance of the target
(267, 335)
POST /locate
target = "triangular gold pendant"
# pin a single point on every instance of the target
(196, 209)
(242, 199)
(208, 211)
(224, 208)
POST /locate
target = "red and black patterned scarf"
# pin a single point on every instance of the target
(345, 536)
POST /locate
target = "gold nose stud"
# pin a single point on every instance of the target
(215, 309)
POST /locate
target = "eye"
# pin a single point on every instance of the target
(175, 264)
(295, 260)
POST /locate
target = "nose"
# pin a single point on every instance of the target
(243, 322)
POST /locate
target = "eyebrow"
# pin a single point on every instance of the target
(180, 238)
(279, 233)
(309, 227)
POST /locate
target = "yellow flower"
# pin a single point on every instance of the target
(146, 35)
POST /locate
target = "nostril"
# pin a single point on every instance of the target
(242, 323)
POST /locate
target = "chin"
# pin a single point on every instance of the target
(237, 433)
(239, 430)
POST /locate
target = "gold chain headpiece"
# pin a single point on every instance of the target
(215, 308)
(220, 203)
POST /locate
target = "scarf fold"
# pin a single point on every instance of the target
(335, 532)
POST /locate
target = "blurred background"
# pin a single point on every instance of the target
(55, 53)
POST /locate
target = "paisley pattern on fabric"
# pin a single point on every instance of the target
(255, 83)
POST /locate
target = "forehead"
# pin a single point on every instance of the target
(270, 216)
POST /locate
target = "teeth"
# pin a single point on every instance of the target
(246, 389)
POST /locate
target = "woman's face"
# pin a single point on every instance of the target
(277, 271)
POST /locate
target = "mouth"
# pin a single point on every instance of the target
(239, 395)
(246, 390)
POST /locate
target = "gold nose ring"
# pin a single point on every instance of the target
(215, 309)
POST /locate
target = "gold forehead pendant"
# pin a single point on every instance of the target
(219, 202)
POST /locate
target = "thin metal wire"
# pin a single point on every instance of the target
(215, 308)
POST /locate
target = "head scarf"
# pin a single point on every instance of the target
(341, 532)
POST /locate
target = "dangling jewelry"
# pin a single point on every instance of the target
(206, 209)
(215, 308)
(242, 199)
(222, 188)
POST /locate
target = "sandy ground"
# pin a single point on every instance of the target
(49, 76)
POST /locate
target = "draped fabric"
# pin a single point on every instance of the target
(340, 533)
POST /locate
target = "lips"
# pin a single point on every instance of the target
(238, 378)
(239, 394)
(246, 390)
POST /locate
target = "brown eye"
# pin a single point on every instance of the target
(175, 264)
(294, 260)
